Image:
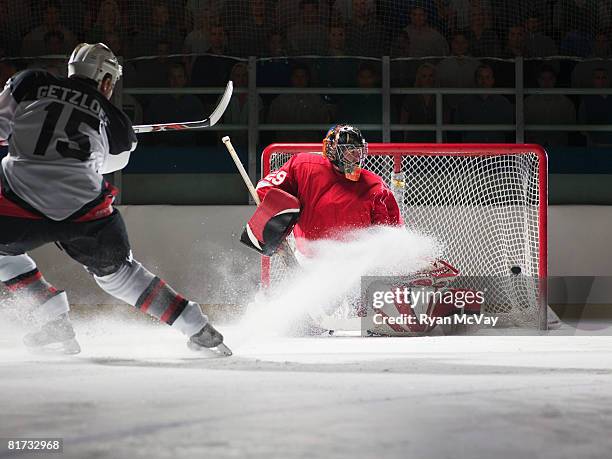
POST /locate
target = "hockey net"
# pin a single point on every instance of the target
(486, 204)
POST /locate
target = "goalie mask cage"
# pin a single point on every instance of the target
(486, 204)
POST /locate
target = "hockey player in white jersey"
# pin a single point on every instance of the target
(63, 134)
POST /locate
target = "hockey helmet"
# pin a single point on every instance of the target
(94, 61)
(345, 147)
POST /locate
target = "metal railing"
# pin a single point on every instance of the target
(386, 91)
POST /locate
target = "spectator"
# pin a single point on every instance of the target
(108, 22)
(515, 44)
(129, 76)
(457, 12)
(298, 108)
(308, 35)
(604, 15)
(576, 16)
(251, 34)
(168, 108)
(363, 32)
(336, 72)
(274, 72)
(403, 71)
(237, 111)
(483, 40)
(420, 108)
(484, 109)
(276, 45)
(399, 11)
(597, 109)
(548, 109)
(197, 41)
(336, 40)
(34, 41)
(582, 75)
(54, 42)
(289, 12)
(457, 71)
(213, 8)
(153, 73)
(158, 29)
(77, 15)
(424, 40)
(601, 46)
(362, 108)
(213, 70)
(401, 45)
(14, 15)
(576, 43)
(537, 44)
(53, 46)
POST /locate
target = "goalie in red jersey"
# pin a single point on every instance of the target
(334, 194)
(327, 197)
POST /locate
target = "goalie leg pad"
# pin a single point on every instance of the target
(272, 222)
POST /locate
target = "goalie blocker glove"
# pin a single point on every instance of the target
(272, 222)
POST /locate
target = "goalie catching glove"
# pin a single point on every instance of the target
(272, 222)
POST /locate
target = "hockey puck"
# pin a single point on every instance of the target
(516, 270)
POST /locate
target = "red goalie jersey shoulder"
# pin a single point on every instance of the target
(332, 204)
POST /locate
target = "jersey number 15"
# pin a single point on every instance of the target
(76, 118)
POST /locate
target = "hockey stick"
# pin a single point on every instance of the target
(284, 250)
(205, 123)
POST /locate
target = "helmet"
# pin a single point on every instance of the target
(346, 149)
(94, 62)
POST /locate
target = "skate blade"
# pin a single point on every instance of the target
(220, 351)
(70, 347)
(223, 349)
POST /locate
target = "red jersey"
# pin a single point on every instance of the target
(331, 204)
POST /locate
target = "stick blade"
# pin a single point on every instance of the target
(225, 100)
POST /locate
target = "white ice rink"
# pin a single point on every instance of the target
(137, 392)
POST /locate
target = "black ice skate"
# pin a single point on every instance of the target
(208, 338)
(55, 336)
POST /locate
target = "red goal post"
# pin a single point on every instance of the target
(487, 203)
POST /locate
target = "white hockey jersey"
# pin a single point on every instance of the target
(63, 134)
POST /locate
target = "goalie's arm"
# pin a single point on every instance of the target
(385, 210)
(282, 179)
(272, 222)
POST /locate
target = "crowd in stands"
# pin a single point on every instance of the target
(432, 43)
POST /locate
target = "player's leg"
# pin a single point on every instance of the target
(47, 305)
(104, 250)
(28, 288)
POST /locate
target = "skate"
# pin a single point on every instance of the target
(208, 338)
(56, 336)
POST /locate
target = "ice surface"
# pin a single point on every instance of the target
(136, 391)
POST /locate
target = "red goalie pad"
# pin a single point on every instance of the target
(428, 296)
(272, 222)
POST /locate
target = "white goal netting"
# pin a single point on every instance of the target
(485, 204)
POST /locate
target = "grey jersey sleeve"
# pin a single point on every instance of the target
(117, 161)
(8, 106)
(121, 142)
